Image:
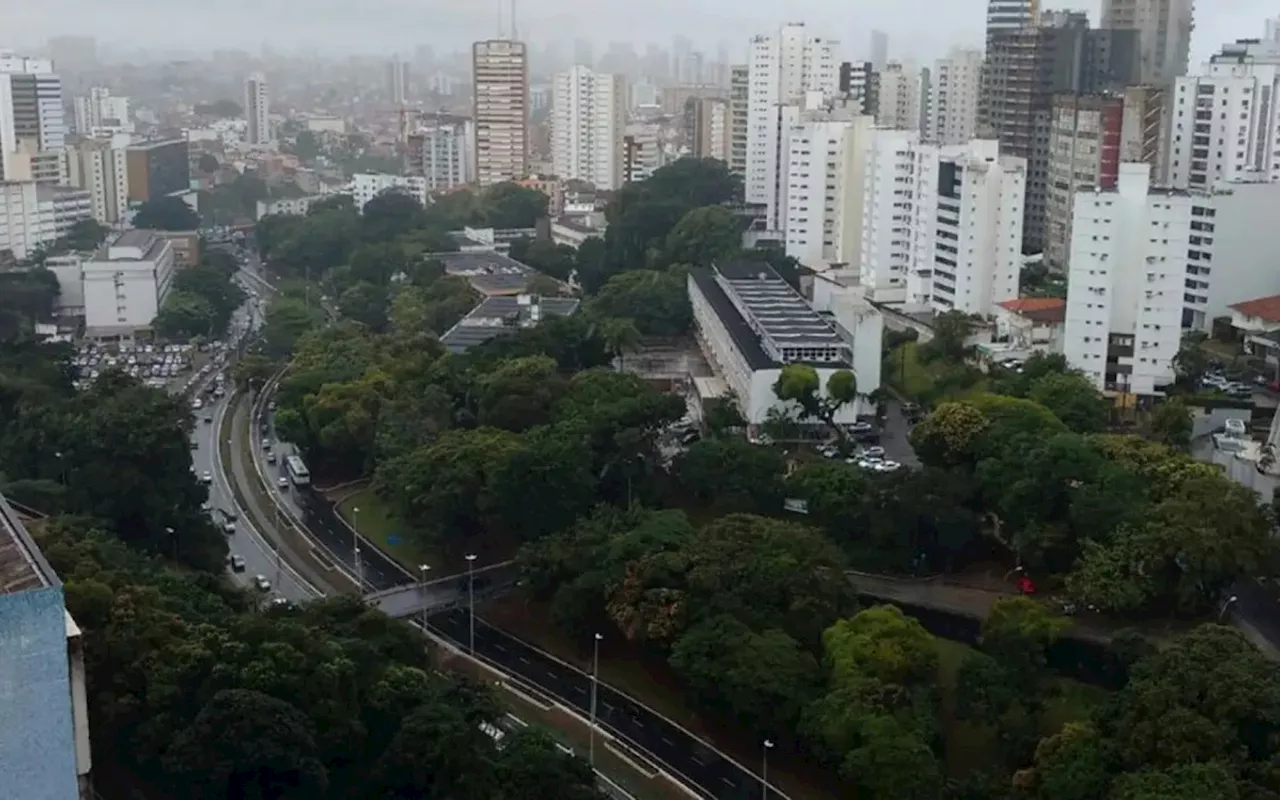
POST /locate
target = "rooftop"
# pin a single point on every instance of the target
(1047, 310)
(137, 244)
(1266, 309)
(499, 316)
(22, 566)
(490, 273)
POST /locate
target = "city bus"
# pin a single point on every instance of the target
(297, 471)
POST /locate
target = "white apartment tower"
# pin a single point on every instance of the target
(1125, 287)
(1164, 35)
(977, 241)
(588, 117)
(500, 91)
(1007, 16)
(897, 217)
(32, 127)
(99, 113)
(825, 174)
(782, 68)
(1226, 120)
(446, 157)
(257, 108)
(739, 105)
(900, 104)
(951, 113)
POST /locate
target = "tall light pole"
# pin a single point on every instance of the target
(471, 598)
(1232, 600)
(764, 769)
(422, 589)
(595, 681)
(174, 538)
(355, 548)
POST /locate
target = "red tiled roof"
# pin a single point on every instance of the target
(1264, 308)
(1038, 309)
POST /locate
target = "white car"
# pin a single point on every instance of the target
(282, 482)
(261, 582)
(206, 476)
(236, 562)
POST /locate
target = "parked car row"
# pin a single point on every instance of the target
(154, 364)
(1217, 381)
(871, 457)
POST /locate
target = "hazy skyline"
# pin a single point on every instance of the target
(916, 28)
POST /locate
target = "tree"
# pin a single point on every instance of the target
(1018, 633)
(519, 394)
(1171, 423)
(761, 680)
(288, 319)
(893, 763)
(1072, 398)
(1191, 361)
(883, 644)
(531, 766)
(950, 332)
(732, 474)
(622, 337)
(556, 260)
(510, 205)
(207, 163)
(166, 214)
(545, 486)
(247, 744)
(801, 384)
(657, 303)
(84, 235)
(1069, 765)
(950, 435)
(365, 303)
(252, 371)
(390, 214)
(185, 316)
(1211, 781)
(702, 237)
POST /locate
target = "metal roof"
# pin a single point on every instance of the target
(773, 309)
(22, 565)
(500, 316)
(490, 273)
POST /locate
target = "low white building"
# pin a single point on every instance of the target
(367, 185)
(125, 283)
(1029, 325)
(33, 214)
(574, 229)
(750, 324)
(1125, 287)
(288, 206)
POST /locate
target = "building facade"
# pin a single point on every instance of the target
(783, 68)
(951, 109)
(158, 168)
(500, 92)
(100, 167)
(739, 104)
(32, 125)
(257, 111)
(588, 117)
(825, 171)
(901, 104)
(440, 152)
(126, 283)
(1007, 16)
(99, 113)
(708, 126)
(1225, 124)
(1164, 35)
(367, 185)
(36, 213)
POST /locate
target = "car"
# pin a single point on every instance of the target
(280, 602)
(264, 426)
(873, 452)
(860, 427)
(261, 582)
(208, 418)
(236, 562)
(282, 482)
(266, 445)
(206, 506)
(271, 406)
(197, 404)
(271, 457)
(206, 476)
(888, 466)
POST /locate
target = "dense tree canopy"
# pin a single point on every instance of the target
(166, 214)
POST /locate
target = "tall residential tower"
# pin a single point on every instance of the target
(500, 92)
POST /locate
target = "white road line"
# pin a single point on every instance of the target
(668, 741)
(522, 659)
(497, 646)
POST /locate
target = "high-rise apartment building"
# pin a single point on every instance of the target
(99, 113)
(32, 127)
(257, 109)
(588, 117)
(951, 109)
(739, 93)
(784, 68)
(440, 152)
(859, 82)
(879, 54)
(1090, 136)
(100, 167)
(708, 127)
(37, 213)
(500, 92)
(1009, 16)
(158, 168)
(1164, 35)
(825, 169)
(1223, 120)
(901, 102)
(397, 81)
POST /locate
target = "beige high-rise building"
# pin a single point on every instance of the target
(708, 127)
(1164, 34)
(500, 91)
(739, 88)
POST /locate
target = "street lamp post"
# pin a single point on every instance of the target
(1232, 600)
(764, 769)
(355, 548)
(471, 598)
(422, 589)
(173, 536)
(595, 682)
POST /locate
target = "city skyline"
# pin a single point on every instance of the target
(915, 28)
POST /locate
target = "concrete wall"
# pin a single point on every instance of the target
(1207, 421)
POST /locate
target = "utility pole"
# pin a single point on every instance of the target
(595, 682)
(422, 589)
(471, 598)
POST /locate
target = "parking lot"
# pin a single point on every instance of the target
(155, 365)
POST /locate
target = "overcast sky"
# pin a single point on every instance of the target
(916, 28)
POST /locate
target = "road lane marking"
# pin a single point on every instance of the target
(498, 646)
(523, 660)
(728, 782)
(668, 741)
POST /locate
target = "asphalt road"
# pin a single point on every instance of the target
(645, 730)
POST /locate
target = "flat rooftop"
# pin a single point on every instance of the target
(22, 566)
(148, 242)
(502, 316)
(778, 310)
(491, 273)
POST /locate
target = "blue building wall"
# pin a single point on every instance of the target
(37, 739)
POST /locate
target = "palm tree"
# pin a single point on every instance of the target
(621, 337)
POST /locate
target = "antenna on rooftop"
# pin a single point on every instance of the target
(513, 21)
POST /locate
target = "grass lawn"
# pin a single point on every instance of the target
(912, 379)
(380, 526)
(656, 685)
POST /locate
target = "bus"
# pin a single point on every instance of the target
(297, 471)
